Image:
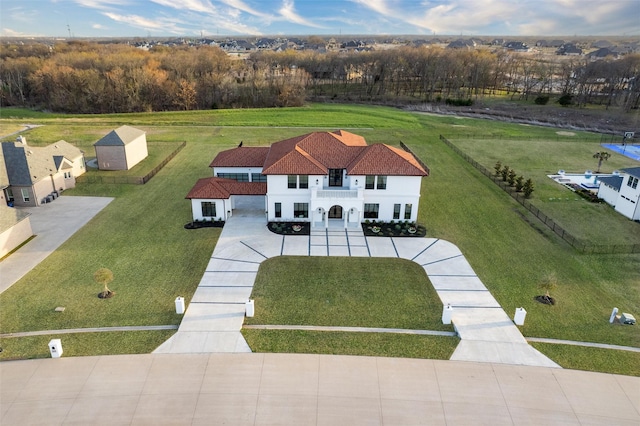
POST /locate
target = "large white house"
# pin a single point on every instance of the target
(317, 177)
(622, 192)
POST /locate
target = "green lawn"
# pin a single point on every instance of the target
(365, 344)
(589, 222)
(384, 292)
(140, 235)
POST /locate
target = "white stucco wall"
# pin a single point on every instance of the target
(221, 209)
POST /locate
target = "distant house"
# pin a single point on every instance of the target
(319, 177)
(622, 192)
(15, 225)
(602, 53)
(516, 46)
(569, 49)
(121, 149)
(38, 174)
(461, 44)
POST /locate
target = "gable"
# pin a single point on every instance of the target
(121, 136)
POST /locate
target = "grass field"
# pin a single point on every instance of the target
(140, 235)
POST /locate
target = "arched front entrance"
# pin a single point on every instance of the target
(335, 212)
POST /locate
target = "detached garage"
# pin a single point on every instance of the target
(121, 149)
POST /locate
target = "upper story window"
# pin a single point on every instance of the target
(377, 182)
(240, 177)
(335, 177)
(297, 181)
(632, 182)
(258, 177)
(370, 182)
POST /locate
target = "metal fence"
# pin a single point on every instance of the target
(133, 180)
(576, 243)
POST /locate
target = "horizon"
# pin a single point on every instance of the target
(303, 18)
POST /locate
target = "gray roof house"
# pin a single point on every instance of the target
(38, 174)
(121, 149)
(15, 225)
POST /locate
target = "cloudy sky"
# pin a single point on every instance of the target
(130, 18)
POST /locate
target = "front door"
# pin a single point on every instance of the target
(335, 212)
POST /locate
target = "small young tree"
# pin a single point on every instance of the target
(519, 183)
(601, 156)
(505, 173)
(104, 276)
(498, 168)
(511, 178)
(548, 283)
(527, 188)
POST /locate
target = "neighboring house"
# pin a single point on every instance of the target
(317, 177)
(623, 192)
(121, 149)
(39, 174)
(15, 225)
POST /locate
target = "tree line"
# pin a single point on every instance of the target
(82, 77)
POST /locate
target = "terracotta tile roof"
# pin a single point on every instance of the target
(246, 156)
(381, 159)
(221, 188)
(315, 153)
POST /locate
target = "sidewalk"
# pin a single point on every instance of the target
(295, 389)
(214, 317)
(52, 223)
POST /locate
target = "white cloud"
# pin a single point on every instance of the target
(102, 4)
(8, 32)
(243, 7)
(201, 6)
(162, 24)
(287, 11)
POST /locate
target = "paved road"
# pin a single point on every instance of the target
(214, 317)
(290, 389)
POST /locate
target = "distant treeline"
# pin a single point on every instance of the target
(83, 77)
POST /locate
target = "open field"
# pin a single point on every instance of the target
(140, 235)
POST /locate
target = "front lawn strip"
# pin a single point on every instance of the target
(338, 343)
(592, 359)
(84, 344)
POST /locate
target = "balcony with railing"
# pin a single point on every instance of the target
(345, 194)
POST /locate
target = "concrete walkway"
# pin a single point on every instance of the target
(296, 389)
(52, 223)
(214, 318)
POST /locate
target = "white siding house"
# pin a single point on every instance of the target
(321, 177)
(623, 192)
